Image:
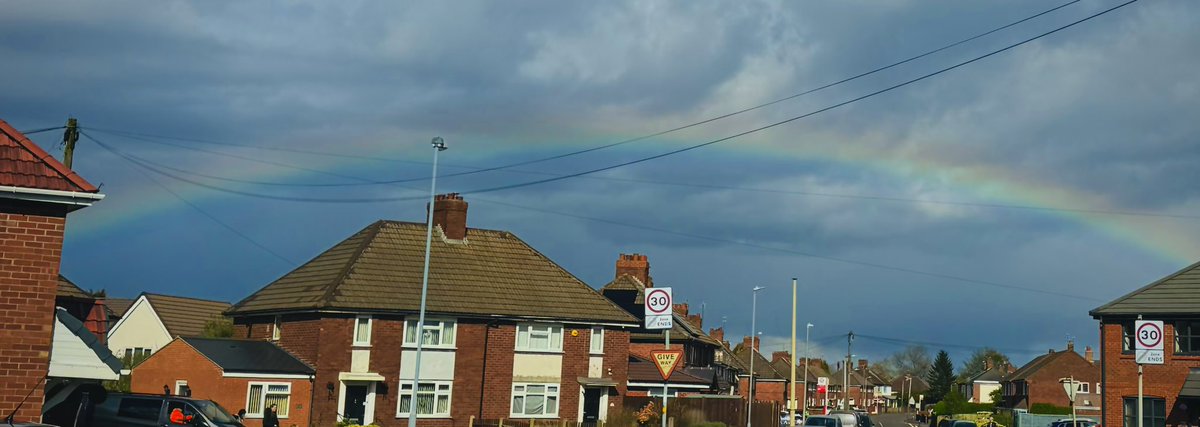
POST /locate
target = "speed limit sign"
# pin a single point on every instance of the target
(658, 308)
(1148, 342)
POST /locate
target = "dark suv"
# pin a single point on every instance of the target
(148, 410)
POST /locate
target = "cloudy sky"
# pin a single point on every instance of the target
(993, 204)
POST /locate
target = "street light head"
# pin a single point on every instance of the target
(758, 288)
(811, 325)
(439, 143)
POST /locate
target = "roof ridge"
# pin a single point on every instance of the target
(47, 159)
(372, 232)
(182, 297)
(589, 288)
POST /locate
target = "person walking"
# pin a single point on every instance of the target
(270, 419)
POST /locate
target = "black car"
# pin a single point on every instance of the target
(149, 410)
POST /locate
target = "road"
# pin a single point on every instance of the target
(895, 420)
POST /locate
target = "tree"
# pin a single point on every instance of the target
(912, 360)
(217, 327)
(997, 395)
(979, 362)
(940, 377)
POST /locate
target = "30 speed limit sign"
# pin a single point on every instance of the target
(1148, 342)
(658, 308)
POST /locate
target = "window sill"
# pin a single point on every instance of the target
(531, 351)
(360, 346)
(429, 347)
(532, 417)
(596, 354)
(426, 417)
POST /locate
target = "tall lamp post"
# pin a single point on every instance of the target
(807, 331)
(439, 145)
(753, 353)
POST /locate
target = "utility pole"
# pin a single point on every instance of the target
(846, 372)
(792, 361)
(70, 137)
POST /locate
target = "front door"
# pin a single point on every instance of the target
(591, 405)
(355, 407)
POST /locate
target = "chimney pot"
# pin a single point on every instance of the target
(862, 365)
(746, 342)
(1089, 355)
(1070, 345)
(779, 355)
(450, 213)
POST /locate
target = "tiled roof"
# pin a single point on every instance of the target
(762, 366)
(1176, 294)
(24, 164)
(996, 373)
(627, 282)
(644, 371)
(248, 356)
(68, 289)
(492, 273)
(1038, 363)
(118, 306)
(185, 317)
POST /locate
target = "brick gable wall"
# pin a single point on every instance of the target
(31, 240)
(1162, 381)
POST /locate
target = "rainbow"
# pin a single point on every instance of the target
(1165, 238)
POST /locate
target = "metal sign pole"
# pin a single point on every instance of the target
(1139, 409)
(666, 381)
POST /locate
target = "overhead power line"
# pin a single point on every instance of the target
(883, 198)
(657, 156)
(643, 137)
(31, 132)
(151, 168)
(210, 216)
(902, 341)
(795, 118)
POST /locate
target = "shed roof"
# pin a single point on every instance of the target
(1176, 294)
(24, 164)
(490, 274)
(248, 356)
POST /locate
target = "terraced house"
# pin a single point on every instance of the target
(509, 334)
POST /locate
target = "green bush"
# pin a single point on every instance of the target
(1046, 408)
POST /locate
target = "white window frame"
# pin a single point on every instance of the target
(181, 383)
(1083, 387)
(263, 399)
(276, 325)
(441, 325)
(550, 330)
(597, 332)
(1098, 388)
(524, 394)
(437, 392)
(358, 340)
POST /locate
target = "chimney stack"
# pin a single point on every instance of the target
(746, 342)
(635, 265)
(717, 334)
(779, 355)
(862, 365)
(681, 309)
(450, 213)
(1070, 345)
(1087, 354)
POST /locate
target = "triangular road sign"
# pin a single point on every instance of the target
(666, 361)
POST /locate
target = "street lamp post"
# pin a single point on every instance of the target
(807, 332)
(439, 145)
(753, 353)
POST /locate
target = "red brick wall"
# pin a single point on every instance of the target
(1162, 381)
(387, 335)
(497, 386)
(616, 361)
(468, 369)
(1045, 388)
(179, 361)
(30, 251)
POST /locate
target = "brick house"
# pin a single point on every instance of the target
(863, 388)
(769, 385)
(700, 350)
(237, 374)
(509, 333)
(979, 388)
(910, 389)
(153, 320)
(645, 380)
(1171, 390)
(36, 194)
(1040, 381)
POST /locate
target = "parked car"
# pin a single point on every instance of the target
(853, 418)
(1079, 422)
(823, 421)
(149, 410)
(783, 419)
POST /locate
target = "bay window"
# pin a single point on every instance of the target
(432, 399)
(530, 400)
